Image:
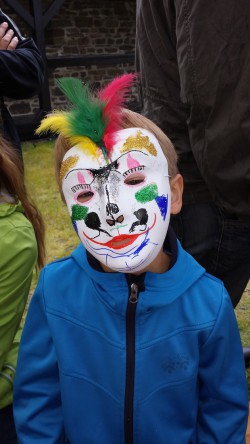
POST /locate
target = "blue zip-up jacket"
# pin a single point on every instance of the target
(102, 362)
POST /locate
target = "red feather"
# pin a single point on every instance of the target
(114, 94)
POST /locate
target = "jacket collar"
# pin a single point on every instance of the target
(162, 288)
(6, 209)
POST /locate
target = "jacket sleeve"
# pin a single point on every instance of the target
(21, 71)
(17, 261)
(8, 370)
(37, 400)
(223, 410)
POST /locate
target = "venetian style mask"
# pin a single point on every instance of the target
(115, 181)
(120, 210)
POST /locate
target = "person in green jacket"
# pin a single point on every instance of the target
(21, 248)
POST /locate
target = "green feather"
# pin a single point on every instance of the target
(74, 89)
(86, 117)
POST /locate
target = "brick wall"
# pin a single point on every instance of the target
(83, 27)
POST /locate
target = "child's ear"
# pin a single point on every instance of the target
(176, 186)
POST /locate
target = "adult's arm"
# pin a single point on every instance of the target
(37, 400)
(223, 410)
(21, 71)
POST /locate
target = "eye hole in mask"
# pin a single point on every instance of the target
(134, 179)
(85, 196)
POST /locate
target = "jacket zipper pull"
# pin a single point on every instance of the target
(133, 297)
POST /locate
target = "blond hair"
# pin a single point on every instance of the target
(130, 119)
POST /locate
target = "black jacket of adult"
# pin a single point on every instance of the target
(21, 77)
(194, 59)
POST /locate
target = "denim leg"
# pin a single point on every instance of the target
(7, 426)
(220, 244)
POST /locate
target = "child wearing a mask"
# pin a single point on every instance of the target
(128, 340)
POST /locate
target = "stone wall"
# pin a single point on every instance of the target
(83, 27)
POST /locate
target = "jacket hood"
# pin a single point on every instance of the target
(161, 288)
(6, 209)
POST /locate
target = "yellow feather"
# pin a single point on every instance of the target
(86, 144)
(56, 122)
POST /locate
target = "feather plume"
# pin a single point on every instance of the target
(74, 90)
(92, 121)
(87, 145)
(86, 116)
(114, 96)
(56, 122)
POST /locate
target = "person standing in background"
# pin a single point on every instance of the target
(194, 60)
(21, 73)
(21, 226)
(21, 247)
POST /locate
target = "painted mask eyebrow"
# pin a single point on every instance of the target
(80, 177)
(105, 171)
(134, 175)
(132, 162)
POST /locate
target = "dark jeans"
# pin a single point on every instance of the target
(219, 242)
(7, 426)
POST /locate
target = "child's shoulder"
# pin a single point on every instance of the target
(190, 277)
(213, 280)
(211, 291)
(58, 280)
(57, 262)
(63, 265)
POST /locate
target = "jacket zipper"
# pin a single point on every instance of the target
(130, 363)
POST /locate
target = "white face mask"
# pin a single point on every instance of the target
(120, 211)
